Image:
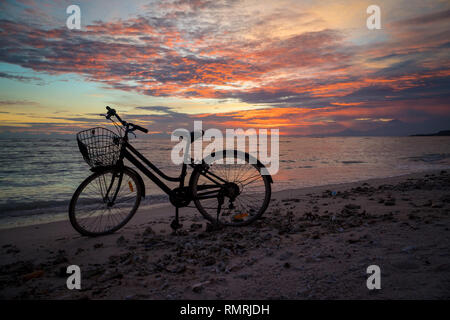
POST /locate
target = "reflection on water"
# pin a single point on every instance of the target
(41, 174)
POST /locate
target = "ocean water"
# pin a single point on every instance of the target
(39, 176)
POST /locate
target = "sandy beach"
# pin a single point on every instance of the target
(312, 243)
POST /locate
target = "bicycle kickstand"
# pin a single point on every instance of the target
(220, 201)
(175, 224)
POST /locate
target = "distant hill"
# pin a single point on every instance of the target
(440, 133)
(396, 128)
(389, 128)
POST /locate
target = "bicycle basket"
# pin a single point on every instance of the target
(99, 146)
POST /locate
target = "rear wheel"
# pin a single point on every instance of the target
(105, 202)
(231, 190)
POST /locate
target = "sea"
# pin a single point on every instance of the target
(39, 176)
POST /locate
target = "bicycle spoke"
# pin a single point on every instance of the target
(250, 201)
(94, 211)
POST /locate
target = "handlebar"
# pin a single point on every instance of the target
(139, 128)
(130, 126)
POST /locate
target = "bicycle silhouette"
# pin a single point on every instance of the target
(227, 187)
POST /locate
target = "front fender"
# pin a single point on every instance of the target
(141, 181)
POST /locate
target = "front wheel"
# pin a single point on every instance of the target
(105, 202)
(231, 189)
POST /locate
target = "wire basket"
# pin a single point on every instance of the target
(99, 146)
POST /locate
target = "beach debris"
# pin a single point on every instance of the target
(427, 203)
(98, 245)
(405, 265)
(352, 206)
(33, 275)
(180, 232)
(244, 276)
(286, 255)
(198, 287)
(442, 268)
(121, 241)
(437, 205)
(445, 198)
(60, 257)
(111, 275)
(93, 272)
(408, 249)
(180, 268)
(12, 273)
(267, 236)
(389, 202)
(354, 239)
(315, 235)
(212, 227)
(195, 226)
(311, 216)
(148, 232)
(11, 249)
(209, 261)
(269, 253)
(221, 267)
(62, 272)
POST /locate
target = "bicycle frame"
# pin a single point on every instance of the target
(132, 155)
(146, 166)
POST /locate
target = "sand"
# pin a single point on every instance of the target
(313, 243)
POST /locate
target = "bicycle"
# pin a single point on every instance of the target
(227, 192)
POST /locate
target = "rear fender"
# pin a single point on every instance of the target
(240, 154)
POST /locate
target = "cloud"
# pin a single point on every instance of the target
(20, 78)
(167, 57)
(159, 109)
(435, 17)
(18, 103)
(306, 77)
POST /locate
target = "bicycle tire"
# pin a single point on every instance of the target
(265, 180)
(75, 220)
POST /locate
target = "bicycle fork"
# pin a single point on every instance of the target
(106, 198)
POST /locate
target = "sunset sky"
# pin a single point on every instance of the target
(305, 67)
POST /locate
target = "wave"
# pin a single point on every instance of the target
(14, 209)
(430, 157)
